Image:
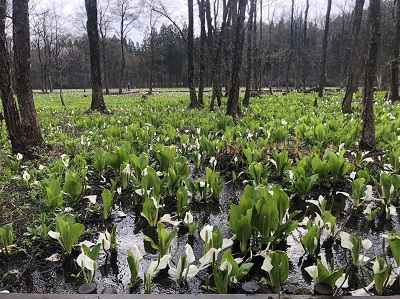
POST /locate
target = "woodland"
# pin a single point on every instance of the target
(253, 147)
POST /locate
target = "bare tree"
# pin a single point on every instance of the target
(233, 107)
(215, 42)
(304, 55)
(42, 39)
(250, 65)
(94, 43)
(368, 123)
(128, 12)
(11, 115)
(351, 86)
(104, 26)
(291, 44)
(30, 129)
(190, 38)
(394, 86)
(322, 74)
(202, 16)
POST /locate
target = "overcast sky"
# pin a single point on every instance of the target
(273, 10)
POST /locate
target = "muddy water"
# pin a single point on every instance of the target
(113, 270)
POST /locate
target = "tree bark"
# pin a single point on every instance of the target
(95, 64)
(246, 100)
(368, 124)
(122, 73)
(394, 83)
(304, 66)
(233, 108)
(351, 86)
(192, 89)
(216, 51)
(322, 74)
(289, 63)
(30, 133)
(202, 67)
(11, 115)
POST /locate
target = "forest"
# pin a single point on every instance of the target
(289, 48)
(251, 147)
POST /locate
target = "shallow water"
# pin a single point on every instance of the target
(113, 270)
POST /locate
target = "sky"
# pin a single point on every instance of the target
(273, 10)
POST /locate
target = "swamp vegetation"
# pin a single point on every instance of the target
(152, 192)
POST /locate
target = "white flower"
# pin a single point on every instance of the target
(68, 210)
(267, 265)
(87, 243)
(368, 193)
(54, 235)
(86, 262)
(210, 257)
(41, 167)
(319, 203)
(318, 221)
(190, 258)
(366, 244)
(188, 218)
(345, 240)
(26, 176)
(391, 210)
(144, 172)
(53, 258)
(202, 184)
(363, 291)
(353, 175)
(127, 169)
(313, 272)
(284, 122)
(226, 243)
(105, 243)
(19, 157)
(213, 161)
(119, 190)
(368, 211)
(91, 198)
(156, 266)
(65, 160)
(206, 233)
(136, 253)
(166, 218)
(226, 266)
(341, 282)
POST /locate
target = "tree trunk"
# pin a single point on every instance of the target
(152, 53)
(304, 53)
(94, 46)
(202, 67)
(246, 100)
(216, 49)
(289, 63)
(10, 108)
(105, 72)
(233, 108)
(368, 124)
(351, 86)
(192, 89)
(31, 133)
(394, 83)
(121, 78)
(322, 74)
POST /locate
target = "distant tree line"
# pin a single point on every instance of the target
(288, 55)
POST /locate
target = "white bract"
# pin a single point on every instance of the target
(188, 218)
(104, 241)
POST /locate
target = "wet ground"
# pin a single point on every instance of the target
(114, 272)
